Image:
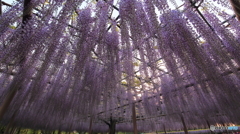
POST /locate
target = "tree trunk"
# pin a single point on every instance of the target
(0, 7)
(134, 119)
(236, 7)
(112, 127)
(27, 10)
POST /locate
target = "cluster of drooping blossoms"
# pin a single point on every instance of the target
(72, 67)
(203, 79)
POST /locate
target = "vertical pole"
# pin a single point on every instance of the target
(184, 125)
(208, 123)
(164, 129)
(209, 126)
(90, 127)
(134, 119)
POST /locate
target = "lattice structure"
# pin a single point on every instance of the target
(93, 65)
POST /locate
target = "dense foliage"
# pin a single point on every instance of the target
(72, 63)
